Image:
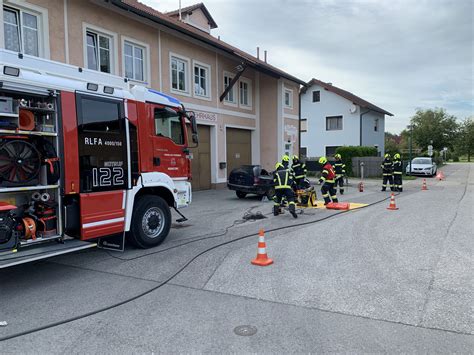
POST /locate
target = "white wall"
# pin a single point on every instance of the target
(317, 138)
(371, 137)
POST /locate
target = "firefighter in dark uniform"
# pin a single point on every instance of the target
(340, 170)
(397, 173)
(299, 171)
(283, 180)
(285, 161)
(387, 170)
(327, 179)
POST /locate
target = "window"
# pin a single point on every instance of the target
(99, 48)
(376, 125)
(179, 73)
(304, 125)
(201, 80)
(21, 31)
(168, 124)
(99, 115)
(245, 92)
(303, 153)
(230, 97)
(288, 98)
(330, 151)
(334, 123)
(134, 57)
(316, 96)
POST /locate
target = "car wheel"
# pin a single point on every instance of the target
(270, 193)
(151, 222)
(240, 194)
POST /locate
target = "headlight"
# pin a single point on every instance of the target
(427, 168)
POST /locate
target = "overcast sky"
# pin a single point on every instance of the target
(398, 54)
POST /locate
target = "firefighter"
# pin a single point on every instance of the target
(283, 180)
(397, 173)
(340, 170)
(299, 171)
(285, 160)
(327, 179)
(387, 170)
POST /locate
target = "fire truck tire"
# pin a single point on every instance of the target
(240, 194)
(151, 222)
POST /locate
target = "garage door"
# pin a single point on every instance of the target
(201, 163)
(239, 148)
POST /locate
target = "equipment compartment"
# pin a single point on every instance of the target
(30, 203)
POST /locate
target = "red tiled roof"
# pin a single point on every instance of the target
(191, 8)
(143, 10)
(347, 95)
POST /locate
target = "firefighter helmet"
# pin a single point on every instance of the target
(387, 156)
(278, 165)
(323, 160)
(295, 157)
(285, 158)
(337, 156)
(397, 156)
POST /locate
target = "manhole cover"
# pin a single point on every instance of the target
(245, 330)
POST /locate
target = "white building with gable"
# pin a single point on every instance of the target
(332, 117)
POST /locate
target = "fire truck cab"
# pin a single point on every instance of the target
(86, 158)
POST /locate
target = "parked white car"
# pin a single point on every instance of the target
(422, 166)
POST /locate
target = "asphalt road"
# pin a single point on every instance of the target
(369, 280)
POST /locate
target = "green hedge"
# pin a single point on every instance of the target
(349, 152)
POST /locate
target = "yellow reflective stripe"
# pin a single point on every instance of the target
(286, 178)
(299, 176)
(282, 187)
(325, 171)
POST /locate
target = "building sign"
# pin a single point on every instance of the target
(206, 116)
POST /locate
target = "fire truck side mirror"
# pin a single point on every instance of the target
(194, 129)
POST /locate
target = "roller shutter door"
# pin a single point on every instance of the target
(201, 163)
(239, 148)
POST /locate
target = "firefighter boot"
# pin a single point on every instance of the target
(293, 210)
(276, 210)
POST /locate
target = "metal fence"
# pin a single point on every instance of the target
(370, 166)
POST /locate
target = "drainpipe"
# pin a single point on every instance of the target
(299, 125)
(360, 124)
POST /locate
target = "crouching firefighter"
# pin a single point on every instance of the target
(283, 180)
(397, 173)
(387, 171)
(340, 170)
(299, 170)
(327, 179)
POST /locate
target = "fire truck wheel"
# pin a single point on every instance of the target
(151, 222)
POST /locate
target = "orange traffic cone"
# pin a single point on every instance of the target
(262, 259)
(424, 187)
(392, 205)
(440, 175)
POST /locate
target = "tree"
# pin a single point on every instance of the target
(434, 126)
(465, 140)
(392, 143)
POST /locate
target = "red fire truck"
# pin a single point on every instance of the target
(86, 159)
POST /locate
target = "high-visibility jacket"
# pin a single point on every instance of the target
(339, 168)
(299, 170)
(397, 167)
(328, 173)
(387, 167)
(283, 179)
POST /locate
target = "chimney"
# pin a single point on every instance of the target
(258, 52)
(265, 56)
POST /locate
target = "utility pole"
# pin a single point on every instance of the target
(411, 141)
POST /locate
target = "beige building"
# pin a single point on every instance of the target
(175, 53)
